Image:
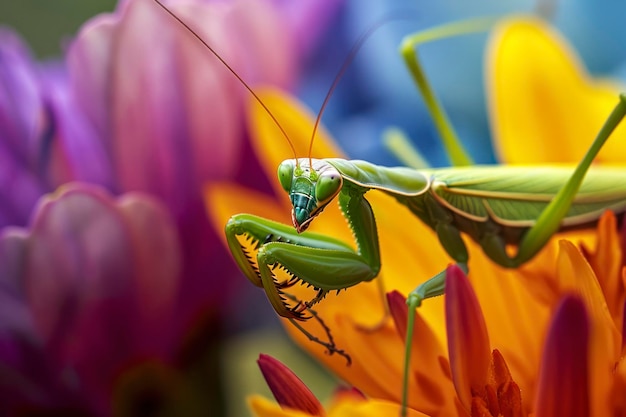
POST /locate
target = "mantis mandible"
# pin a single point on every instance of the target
(495, 206)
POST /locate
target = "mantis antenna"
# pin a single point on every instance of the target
(346, 63)
(352, 54)
(241, 80)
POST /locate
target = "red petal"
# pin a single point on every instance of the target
(288, 389)
(563, 382)
(468, 341)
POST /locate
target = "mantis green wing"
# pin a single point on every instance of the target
(495, 206)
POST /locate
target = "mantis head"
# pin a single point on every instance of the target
(311, 184)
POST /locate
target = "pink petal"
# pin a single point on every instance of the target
(86, 282)
(158, 266)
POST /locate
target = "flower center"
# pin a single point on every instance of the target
(501, 396)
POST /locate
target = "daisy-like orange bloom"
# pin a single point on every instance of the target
(296, 400)
(546, 339)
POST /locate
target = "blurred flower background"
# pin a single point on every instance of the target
(117, 295)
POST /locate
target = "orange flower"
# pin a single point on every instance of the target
(501, 348)
(296, 400)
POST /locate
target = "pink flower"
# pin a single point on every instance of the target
(170, 116)
(87, 289)
(99, 295)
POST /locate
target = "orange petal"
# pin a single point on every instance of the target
(509, 394)
(618, 400)
(564, 379)
(544, 107)
(468, 341)
(623, 351)
(501, 396)
(606, 262)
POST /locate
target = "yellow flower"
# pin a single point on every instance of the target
(510, 358)
(546, 108)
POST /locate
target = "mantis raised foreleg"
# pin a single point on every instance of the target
(495, 206)
(452, 201)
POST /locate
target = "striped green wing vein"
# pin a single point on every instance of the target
(515, 196)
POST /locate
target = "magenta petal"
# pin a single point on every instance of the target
(89, 64)
(86, 281)
(162, 102)
(73, 151)
(77, 240)
(399, 311)
(468, 341)
(564, 377)
(171, 117)
(25, 375)
(158, 266)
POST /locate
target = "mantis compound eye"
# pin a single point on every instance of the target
(285, 174)
(327, 187)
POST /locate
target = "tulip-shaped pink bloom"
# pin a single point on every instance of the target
(87, 289)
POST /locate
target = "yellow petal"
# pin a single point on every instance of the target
(370, 408)
(544, 107)
(262, 407)
(271, 146)
(223, 200)
(342, 406)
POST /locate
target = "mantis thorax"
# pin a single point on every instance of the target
(311, 184)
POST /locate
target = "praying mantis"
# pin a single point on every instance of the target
(496, 206)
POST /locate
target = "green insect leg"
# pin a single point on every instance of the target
(550, 218)
(457, 154)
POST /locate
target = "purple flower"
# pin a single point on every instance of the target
(44, 140)
(86, 289)
(98, 293)
(170, 116)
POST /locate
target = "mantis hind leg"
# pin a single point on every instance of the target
(551, 217)
(549, 221)
(532, 242)
(456, 153)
